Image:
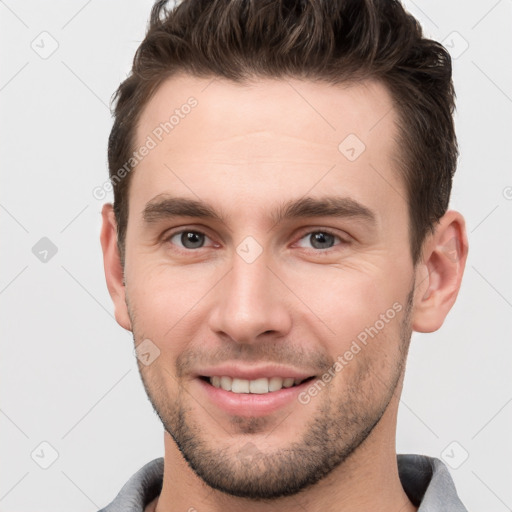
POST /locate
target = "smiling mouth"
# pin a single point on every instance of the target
(259, 386)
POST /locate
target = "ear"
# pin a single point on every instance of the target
(112, 264)
(439, 273)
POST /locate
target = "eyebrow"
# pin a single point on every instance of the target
(164, 207)
(329, 206)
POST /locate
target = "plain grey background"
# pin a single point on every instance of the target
(75, 420)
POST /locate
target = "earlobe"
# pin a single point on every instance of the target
(439, 274)
(112, 264)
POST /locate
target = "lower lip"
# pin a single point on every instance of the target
(252, 404)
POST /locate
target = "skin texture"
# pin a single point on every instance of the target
(245, 150)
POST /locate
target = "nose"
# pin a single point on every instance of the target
(250, 303)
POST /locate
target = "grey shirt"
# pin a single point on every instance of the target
(425, 480)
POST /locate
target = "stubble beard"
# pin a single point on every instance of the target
(338, 429)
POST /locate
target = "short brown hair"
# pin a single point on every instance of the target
(334, 41)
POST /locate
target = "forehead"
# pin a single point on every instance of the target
(290, 104)
(265, 138)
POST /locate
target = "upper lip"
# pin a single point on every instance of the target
(252, 372)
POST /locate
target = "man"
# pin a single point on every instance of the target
(282, 173)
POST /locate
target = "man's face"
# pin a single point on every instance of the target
(298, 259)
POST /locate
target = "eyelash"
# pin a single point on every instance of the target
(341, 241)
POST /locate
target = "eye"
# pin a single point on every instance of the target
(188, 239)
(319, 240)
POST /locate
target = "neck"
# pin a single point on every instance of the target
(368, 479)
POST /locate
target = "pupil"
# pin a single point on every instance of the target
(322, 240)
(192, 240)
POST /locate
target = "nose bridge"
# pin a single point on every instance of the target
(249, 302)
(250, 280)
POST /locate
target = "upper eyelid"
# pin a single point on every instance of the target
(320, 230)
(168, 233)
(341, 234)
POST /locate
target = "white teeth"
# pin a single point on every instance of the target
(275, 384)
(257, 386)
(225, 383)
(288, 383)
(240, 386)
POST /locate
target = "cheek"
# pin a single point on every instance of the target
(163, 298)
(347, 299)
(362, 309)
